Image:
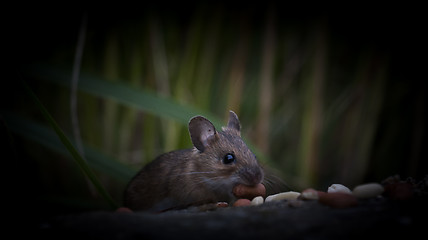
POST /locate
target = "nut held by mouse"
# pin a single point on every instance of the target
(207, 173)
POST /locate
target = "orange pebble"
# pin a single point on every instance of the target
(243, 191)
(337, 200)
(242, 202)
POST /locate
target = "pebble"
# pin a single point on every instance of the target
(222, 204)
(309, 194)
(368, 190)
(257, 201)
(243, 191)
(338, 188)
(283, 196)
(242, 202)
(399, 190)
(337, 200)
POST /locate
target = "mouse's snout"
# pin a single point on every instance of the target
(251, 175)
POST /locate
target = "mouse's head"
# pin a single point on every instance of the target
(223, 155)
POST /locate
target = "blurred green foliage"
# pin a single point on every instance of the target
(318, 102)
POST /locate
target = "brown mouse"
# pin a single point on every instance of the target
(207, 173)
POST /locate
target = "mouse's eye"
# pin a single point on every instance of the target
(229, 158)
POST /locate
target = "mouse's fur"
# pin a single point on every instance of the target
(196, 176)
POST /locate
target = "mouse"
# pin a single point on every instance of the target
(206, 173)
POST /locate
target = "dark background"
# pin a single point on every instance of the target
(368, 112)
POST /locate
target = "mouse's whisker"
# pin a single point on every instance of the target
(275, 183)
(192, 173)
(204, 180)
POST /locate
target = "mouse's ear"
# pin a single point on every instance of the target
(202, 132)
(234, 122)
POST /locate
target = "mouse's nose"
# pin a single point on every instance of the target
(251, 175)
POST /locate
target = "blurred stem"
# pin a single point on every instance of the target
(128, 117)
(74, 83)
(266, 87)
(111, 72)
(186, 74)
(160, 63)
(73, 91)
(363, 119)
(161, 75)
(237, 70)
(206, 69)
(313, 107)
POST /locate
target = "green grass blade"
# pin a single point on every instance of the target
(124, 94)
(76, 156)
(136, 98)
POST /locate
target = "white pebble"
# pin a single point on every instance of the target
(338, 188)
(368, 190)
(309, 194)
(283, 196)
(257, 201)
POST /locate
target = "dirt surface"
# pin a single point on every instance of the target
(376, 217)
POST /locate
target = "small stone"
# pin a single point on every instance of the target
(249, 192)
(399, 191)
(338, 188)
(257, 201)
(283, 196)
(337, 200)
(222, 204)
(242, 202)
(368, 190)
(309, 194)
